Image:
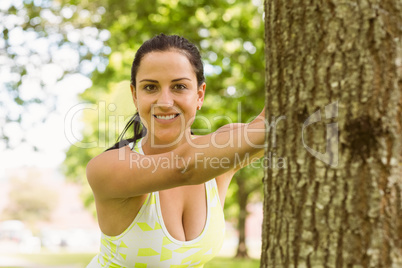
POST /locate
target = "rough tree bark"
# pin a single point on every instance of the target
(333, 69)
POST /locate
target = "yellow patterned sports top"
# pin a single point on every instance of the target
(146, 243)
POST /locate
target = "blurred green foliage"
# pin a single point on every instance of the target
(41, 43)
(30, 200)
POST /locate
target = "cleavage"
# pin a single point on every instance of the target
(184, 211)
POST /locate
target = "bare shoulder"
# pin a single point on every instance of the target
(99, 168)
(108, 174)
(101, 165)
(119, 173)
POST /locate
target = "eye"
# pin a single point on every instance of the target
(179, 87)
(150, 87)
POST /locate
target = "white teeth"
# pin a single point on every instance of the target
(165, 117)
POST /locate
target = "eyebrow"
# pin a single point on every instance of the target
(174, 80)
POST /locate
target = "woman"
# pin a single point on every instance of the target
(159, 195)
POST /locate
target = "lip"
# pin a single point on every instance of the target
(166, 121)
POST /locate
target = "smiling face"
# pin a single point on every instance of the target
(167, 95)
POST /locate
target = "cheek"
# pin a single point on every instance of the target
(142, 103)
(191, 106)
(142, 112)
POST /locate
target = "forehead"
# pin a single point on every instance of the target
(166, 64)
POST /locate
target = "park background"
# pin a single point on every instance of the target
(64, 98)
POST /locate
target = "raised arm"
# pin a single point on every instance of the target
(123, 173)
(235, 126)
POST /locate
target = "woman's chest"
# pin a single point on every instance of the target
(184, 211)
(189, 234)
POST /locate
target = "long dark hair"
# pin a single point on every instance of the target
(159, 43)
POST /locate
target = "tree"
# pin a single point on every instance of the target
(338, 201)
(245, 189)
(41, 44)
(30, 200)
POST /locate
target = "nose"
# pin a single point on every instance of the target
(165, 99)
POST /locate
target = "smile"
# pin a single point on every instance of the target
(166, 117)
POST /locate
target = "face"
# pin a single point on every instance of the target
(167, 95)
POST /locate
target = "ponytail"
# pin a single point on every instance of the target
(139, 132)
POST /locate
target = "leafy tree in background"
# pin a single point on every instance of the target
(230, 36)
(42, 44)
(30, 200)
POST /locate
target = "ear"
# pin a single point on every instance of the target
(201, 94)
(134, 94)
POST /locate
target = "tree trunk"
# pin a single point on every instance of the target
(332, 70)
(242, 197)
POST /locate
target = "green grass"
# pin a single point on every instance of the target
(220, 262)
(55, 259)
(82, 259)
